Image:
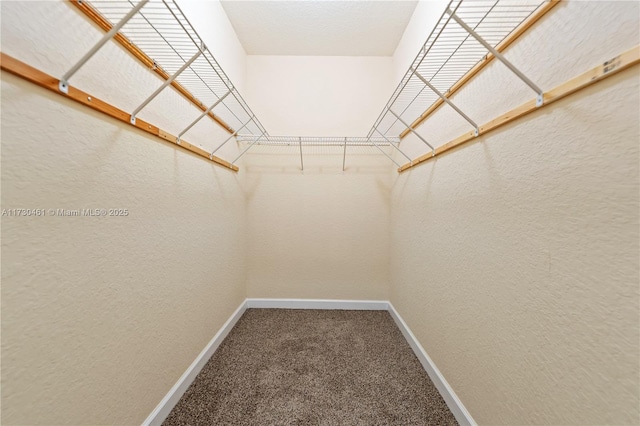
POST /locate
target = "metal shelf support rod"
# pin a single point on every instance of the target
(63, 85)
(224, 78)
(412, 130)
(229, 138)
(247, 148)
(423, 52)
(396, 148)
(301, 162)
(387, 155)
(202, 115)
(344, 154)
(445, 99)
(166, 83)
(499, 56)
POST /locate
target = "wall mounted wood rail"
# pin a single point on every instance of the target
(35, 76)
(608, 68)
(148, 62)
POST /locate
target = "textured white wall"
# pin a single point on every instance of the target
(322, 234)
(101, 316)
(316, 96)
(515, 259)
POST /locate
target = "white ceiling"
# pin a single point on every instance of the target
(319, 27)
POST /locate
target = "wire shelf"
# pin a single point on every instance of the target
(305, 146)
(318, 141)
(162, 31)
(464, 36)
(449, 53)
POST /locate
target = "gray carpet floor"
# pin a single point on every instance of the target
(312, 367)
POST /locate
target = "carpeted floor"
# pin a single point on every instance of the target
(312, 367)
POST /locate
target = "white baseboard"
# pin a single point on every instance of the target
(353, 305)
(453, 402)
(162, 410)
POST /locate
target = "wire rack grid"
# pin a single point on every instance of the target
(449, 53)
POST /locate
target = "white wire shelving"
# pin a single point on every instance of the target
(331, 145)
(160, 30)
(465, 34)
(319, 140)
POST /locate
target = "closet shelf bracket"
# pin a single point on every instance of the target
(394, 146)
(166, 83)
(412, 130)
(204, 113)
(64, 81)
(500, 57)
(234, 134)
(247, 149)
(446, 100)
